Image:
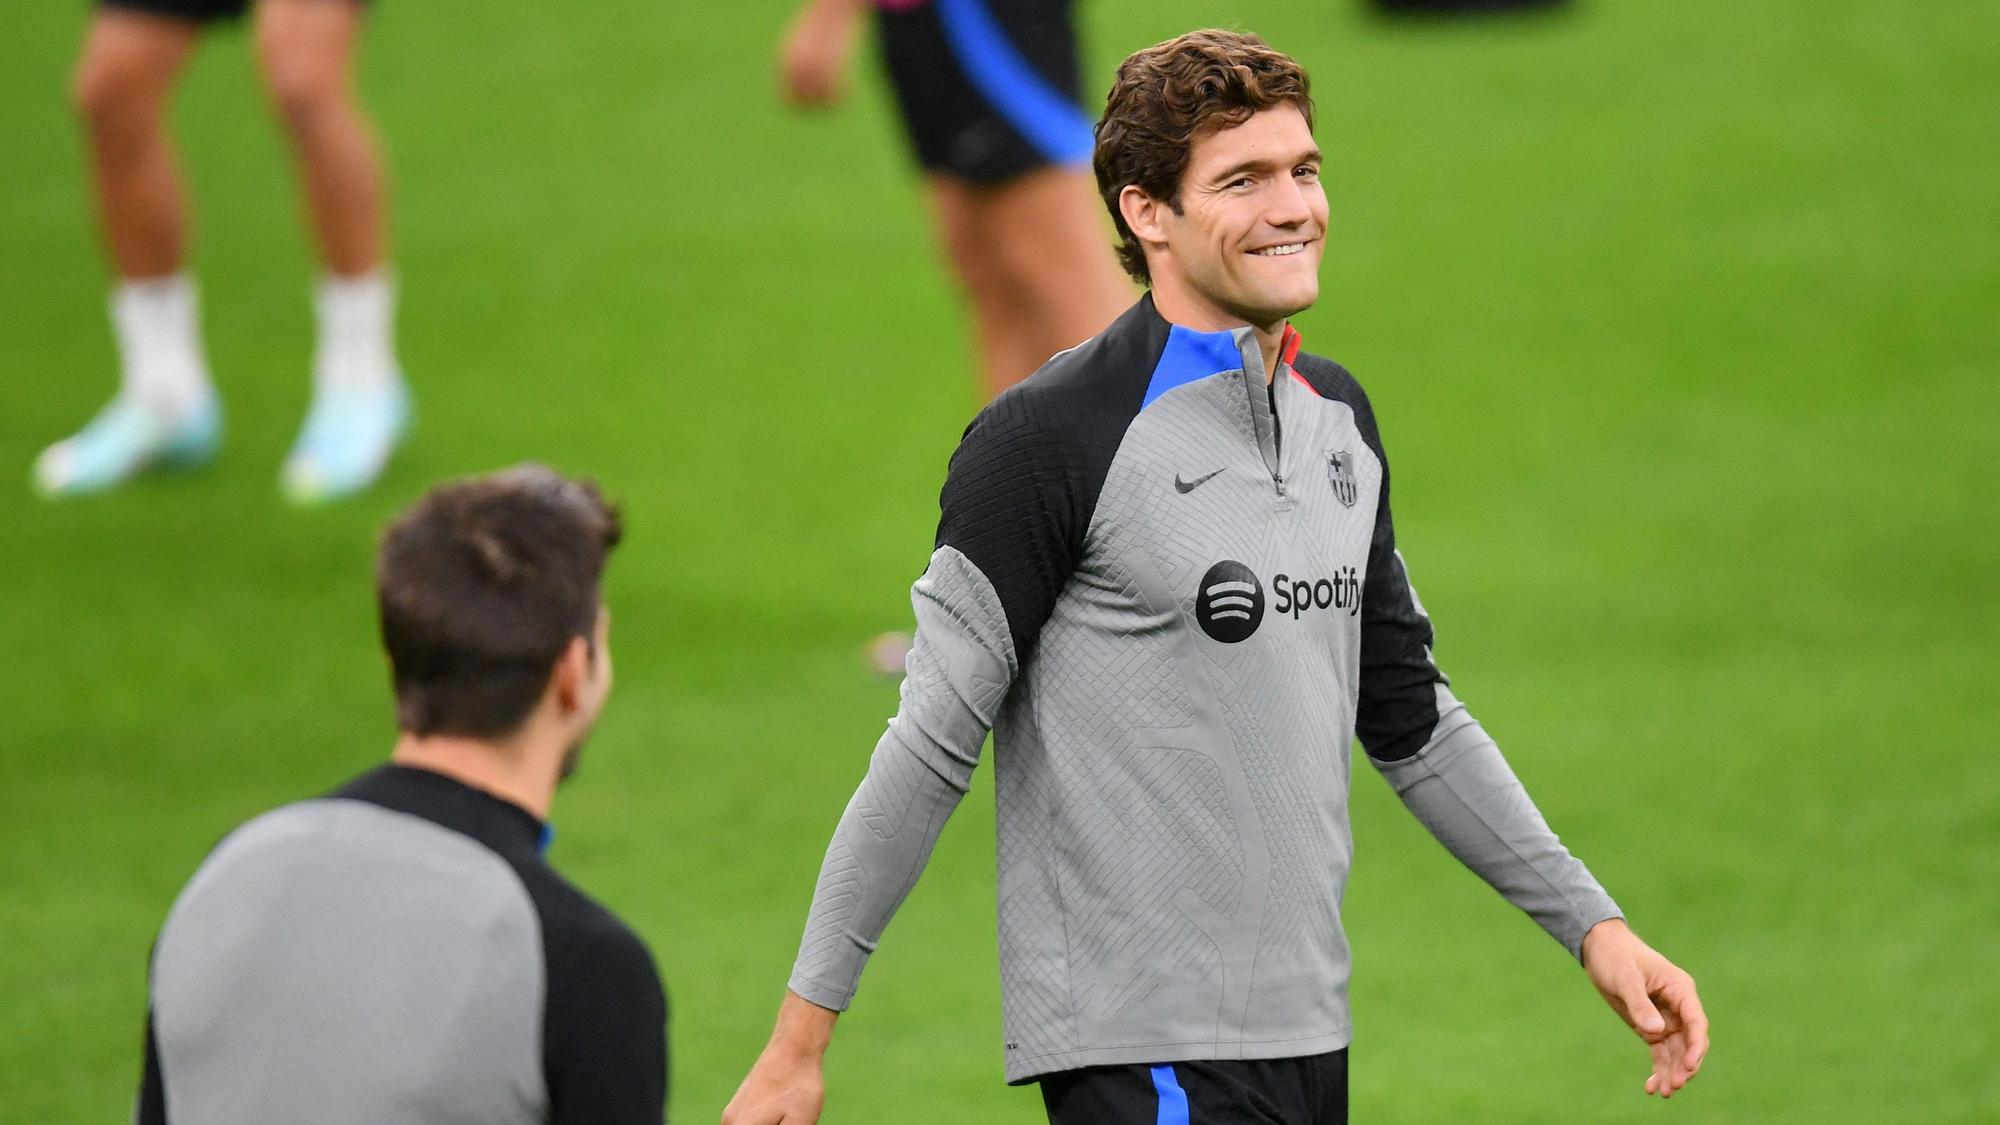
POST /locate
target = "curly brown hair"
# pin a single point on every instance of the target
(1168, 95)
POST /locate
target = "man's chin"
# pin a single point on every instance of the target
(1295, 299)
(1277, 299)
(1298, 304)
(1273, 309)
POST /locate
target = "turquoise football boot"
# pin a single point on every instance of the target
(346, 441)
(125, 439)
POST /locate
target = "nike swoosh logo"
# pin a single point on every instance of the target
(1185, 486)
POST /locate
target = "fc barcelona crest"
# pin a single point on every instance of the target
(1340, 470)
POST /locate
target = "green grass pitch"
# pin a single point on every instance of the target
(1683, 318)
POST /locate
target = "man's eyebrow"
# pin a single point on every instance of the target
(1310, 156)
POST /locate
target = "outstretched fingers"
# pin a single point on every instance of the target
(1659, 1082)
(1665, 1033)
(1680, 998)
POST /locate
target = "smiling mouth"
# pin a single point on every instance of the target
(1279, 251)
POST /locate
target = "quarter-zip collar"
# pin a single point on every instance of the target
(1188, 355)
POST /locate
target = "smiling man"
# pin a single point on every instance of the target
(1165, 576)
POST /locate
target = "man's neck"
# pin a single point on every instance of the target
(503, 769)
(1178, 306)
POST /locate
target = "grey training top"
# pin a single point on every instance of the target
(1173, 593)
(398, 951)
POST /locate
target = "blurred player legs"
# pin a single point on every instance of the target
(1030, 254)
(166, 410)
(1018, 249)
(988, 93)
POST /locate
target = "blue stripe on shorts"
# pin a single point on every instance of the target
(1173, 1099)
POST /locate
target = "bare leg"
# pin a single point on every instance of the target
(1057, 248)
(1034, 255)
(360, 404)
(998, 318)
(124, 78)
(165, 412)
(306, 51)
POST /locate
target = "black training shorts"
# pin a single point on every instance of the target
(988, 88)
(1302, 1091)
(196, 11)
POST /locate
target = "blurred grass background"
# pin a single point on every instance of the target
(1683, 318)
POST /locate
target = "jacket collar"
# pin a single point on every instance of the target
(1189, 355)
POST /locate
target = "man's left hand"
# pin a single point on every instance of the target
(1653, 995)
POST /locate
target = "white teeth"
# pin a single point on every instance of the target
(1280, 251)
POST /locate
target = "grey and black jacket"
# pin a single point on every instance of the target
(398, 951)
(1172, 591)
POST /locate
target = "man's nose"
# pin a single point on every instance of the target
(1288, 204)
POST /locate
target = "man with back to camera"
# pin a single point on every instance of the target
(398, 950)
(166, 413)
(1166, 577)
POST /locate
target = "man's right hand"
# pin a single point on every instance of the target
(785, 1087)
(814, 55)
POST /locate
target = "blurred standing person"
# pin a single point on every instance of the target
(166, 412)
(989, 92)
(399, 950)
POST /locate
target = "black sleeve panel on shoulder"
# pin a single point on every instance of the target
(151, 1107)
(1398, 708)
(604, 1037)
(1023, 484)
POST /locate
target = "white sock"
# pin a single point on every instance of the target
(158, 327)
(356, 319)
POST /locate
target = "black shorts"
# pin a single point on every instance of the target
(1302, 1091)
(988, 88)
(196, 11)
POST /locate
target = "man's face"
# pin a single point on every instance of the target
(1252, 222)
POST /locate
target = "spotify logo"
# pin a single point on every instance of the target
(1230, 603)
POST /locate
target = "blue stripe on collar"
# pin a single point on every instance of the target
(1190, 356)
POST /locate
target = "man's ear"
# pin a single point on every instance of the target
(571, 677)
(1145, 215)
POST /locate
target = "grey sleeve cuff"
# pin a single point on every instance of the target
(960, 666)
(1464, 792)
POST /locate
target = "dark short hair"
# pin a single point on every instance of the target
(1168, 95)
(482, 584)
